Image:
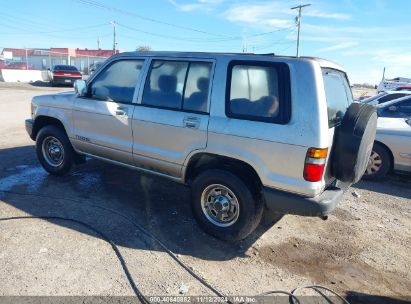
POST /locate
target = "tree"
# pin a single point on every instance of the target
(144, 48)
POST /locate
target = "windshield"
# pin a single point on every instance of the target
(338, 95)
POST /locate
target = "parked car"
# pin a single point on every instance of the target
(397, 108)
(235, 128)
(2, 64)
(404, 88)
(64, 74)
(384, 97)
(392, 148)
(392, 84)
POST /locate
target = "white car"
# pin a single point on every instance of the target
(392, 148)
(385, 96)
(392, 84)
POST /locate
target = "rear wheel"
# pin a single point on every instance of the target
(54, 150)
(379, 163)
(224, 205)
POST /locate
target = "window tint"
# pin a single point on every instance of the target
(258, 92)
(337, 95)
(117, 82)
(65, 68)
(390, 97)
(165, 83)
(197, 87)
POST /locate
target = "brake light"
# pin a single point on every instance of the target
(314, 164)
(66, 74)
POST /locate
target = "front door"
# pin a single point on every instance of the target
(171, 118)
(102, 119)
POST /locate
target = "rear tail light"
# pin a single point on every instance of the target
(314, 164)
(66, 74)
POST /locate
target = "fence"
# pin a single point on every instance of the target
(43, 59)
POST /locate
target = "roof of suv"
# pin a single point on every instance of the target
(322, 62)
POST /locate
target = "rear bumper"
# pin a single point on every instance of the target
(290, 203)
(29, 127)
(65, 80)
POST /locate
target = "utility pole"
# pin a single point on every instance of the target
(114, 36)
(298, 19)
(98, 43)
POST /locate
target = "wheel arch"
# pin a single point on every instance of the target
(385, 147)
(202, 161)
(44, 120)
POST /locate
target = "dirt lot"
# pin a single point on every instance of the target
(363, 248)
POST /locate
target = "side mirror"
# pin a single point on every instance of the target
(392, 108)
(80, 87)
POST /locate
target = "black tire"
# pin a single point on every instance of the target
(250, 205)
(68, 152)
(375, 170)
(353, 142)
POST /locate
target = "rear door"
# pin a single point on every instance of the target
(339, 97)
(171, 118)
(102, 119)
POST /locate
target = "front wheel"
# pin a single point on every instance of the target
(224, 205)
(54, 150)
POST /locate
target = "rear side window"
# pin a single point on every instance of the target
(178, 85)
(117, 82)
(390, 97)
(258, 91)
(338, 95)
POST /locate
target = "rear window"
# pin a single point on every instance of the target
(338, 95)
(65, 68)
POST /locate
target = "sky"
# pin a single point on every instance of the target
(363, 36)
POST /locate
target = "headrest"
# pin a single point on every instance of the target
(202, 84)
(167, 83)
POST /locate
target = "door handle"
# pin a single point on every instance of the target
(191, 122)
(121, 111)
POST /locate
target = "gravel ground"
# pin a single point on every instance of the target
(364, 248)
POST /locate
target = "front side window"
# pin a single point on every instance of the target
(180, 85)
(258, 91)
(117, 82)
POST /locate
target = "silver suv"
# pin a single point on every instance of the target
(245, 132)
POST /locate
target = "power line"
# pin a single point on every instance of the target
(54, 31)
(112, 8)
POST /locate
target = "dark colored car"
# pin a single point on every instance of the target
(64, 74)
(398, 108)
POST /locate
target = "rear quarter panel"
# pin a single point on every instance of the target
(277, 152)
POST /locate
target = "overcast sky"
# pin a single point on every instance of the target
(363, 36)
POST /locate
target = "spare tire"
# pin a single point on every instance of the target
(353, 142)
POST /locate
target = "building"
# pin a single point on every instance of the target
(44, 59)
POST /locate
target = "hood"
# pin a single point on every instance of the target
(59, 100)
(397, 126)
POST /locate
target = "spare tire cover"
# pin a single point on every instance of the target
(353, 142)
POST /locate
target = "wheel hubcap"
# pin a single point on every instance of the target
(53, 151)
(374, 163)
(220, 205)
